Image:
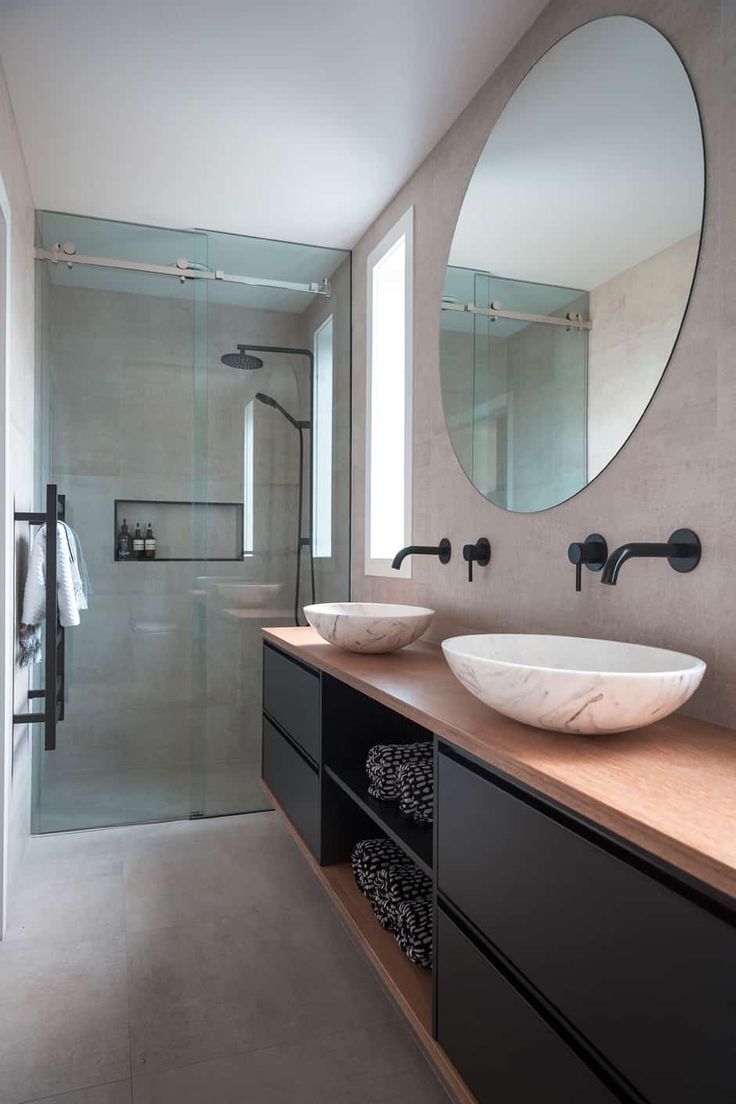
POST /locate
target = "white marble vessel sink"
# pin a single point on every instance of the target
(570, 684)
(368, 626)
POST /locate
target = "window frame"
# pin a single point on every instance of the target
(403, 228)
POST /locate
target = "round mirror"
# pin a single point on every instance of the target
(571, 264)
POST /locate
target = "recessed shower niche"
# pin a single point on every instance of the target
(174, 525)
(147, 411)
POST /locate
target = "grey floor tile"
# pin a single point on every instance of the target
(64, 1016)
(264, 976)
(71, 856)
(200, 871)
(375, 1065)
(239, 983)
(119, 1092)
(64, 911)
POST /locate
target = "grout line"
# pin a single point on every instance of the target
(297, 1040)
(81, 1088)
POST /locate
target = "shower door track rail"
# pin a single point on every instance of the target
(571, 323)
(66, 254)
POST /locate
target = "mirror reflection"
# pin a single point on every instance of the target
(571, 264)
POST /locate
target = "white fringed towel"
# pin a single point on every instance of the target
(71, 593)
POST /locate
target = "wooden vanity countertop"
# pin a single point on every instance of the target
(669, 788)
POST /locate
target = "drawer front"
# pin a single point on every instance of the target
(291, 695)
(294, 783)
(502, 1048)
(647, 975)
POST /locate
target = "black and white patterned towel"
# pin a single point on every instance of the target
(369, 857)
(383, 762)
(395, 884)
(414, 930)
(416, 790)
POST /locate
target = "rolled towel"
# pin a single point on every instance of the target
(416, 790)
(370, 856)
(395, 884)
(383, 762)
(414, 930)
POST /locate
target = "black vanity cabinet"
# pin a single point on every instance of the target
(569, 967)
(501, 1046)
(636, 970)
(291, 741)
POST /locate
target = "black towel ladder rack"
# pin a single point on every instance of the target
(53, 692)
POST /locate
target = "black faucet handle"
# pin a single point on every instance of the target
(593, 552)
(479, 553)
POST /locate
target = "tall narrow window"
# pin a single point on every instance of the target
(388, 399)
(322, 440)
(248, 480)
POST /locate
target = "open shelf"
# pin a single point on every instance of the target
(414, 983)
(409, 986)
(414, 839)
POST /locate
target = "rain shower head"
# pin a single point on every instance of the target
(241, 359)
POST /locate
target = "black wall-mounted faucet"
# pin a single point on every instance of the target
(593, 552)
(443, 551)
(479, 553)
(682, 551)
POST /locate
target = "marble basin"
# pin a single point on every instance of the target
(368, 626)
(570, 684)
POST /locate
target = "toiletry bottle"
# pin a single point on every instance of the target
(138, 542)
(150, 543)
(125, 544)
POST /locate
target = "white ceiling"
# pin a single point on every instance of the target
(595, 165)
(295, 119)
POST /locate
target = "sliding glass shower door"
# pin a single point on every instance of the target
(146, 428)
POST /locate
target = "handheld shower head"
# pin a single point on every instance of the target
(268, 400)
(242, 360)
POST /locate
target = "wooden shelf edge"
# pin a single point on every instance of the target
(419, 1022)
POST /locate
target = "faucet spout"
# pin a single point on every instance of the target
(443, 550)
(682, 552)
(630, 551)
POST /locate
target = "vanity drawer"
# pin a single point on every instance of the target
(501, 1047)
(294, 783)
(646, 974)
(291, 695)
